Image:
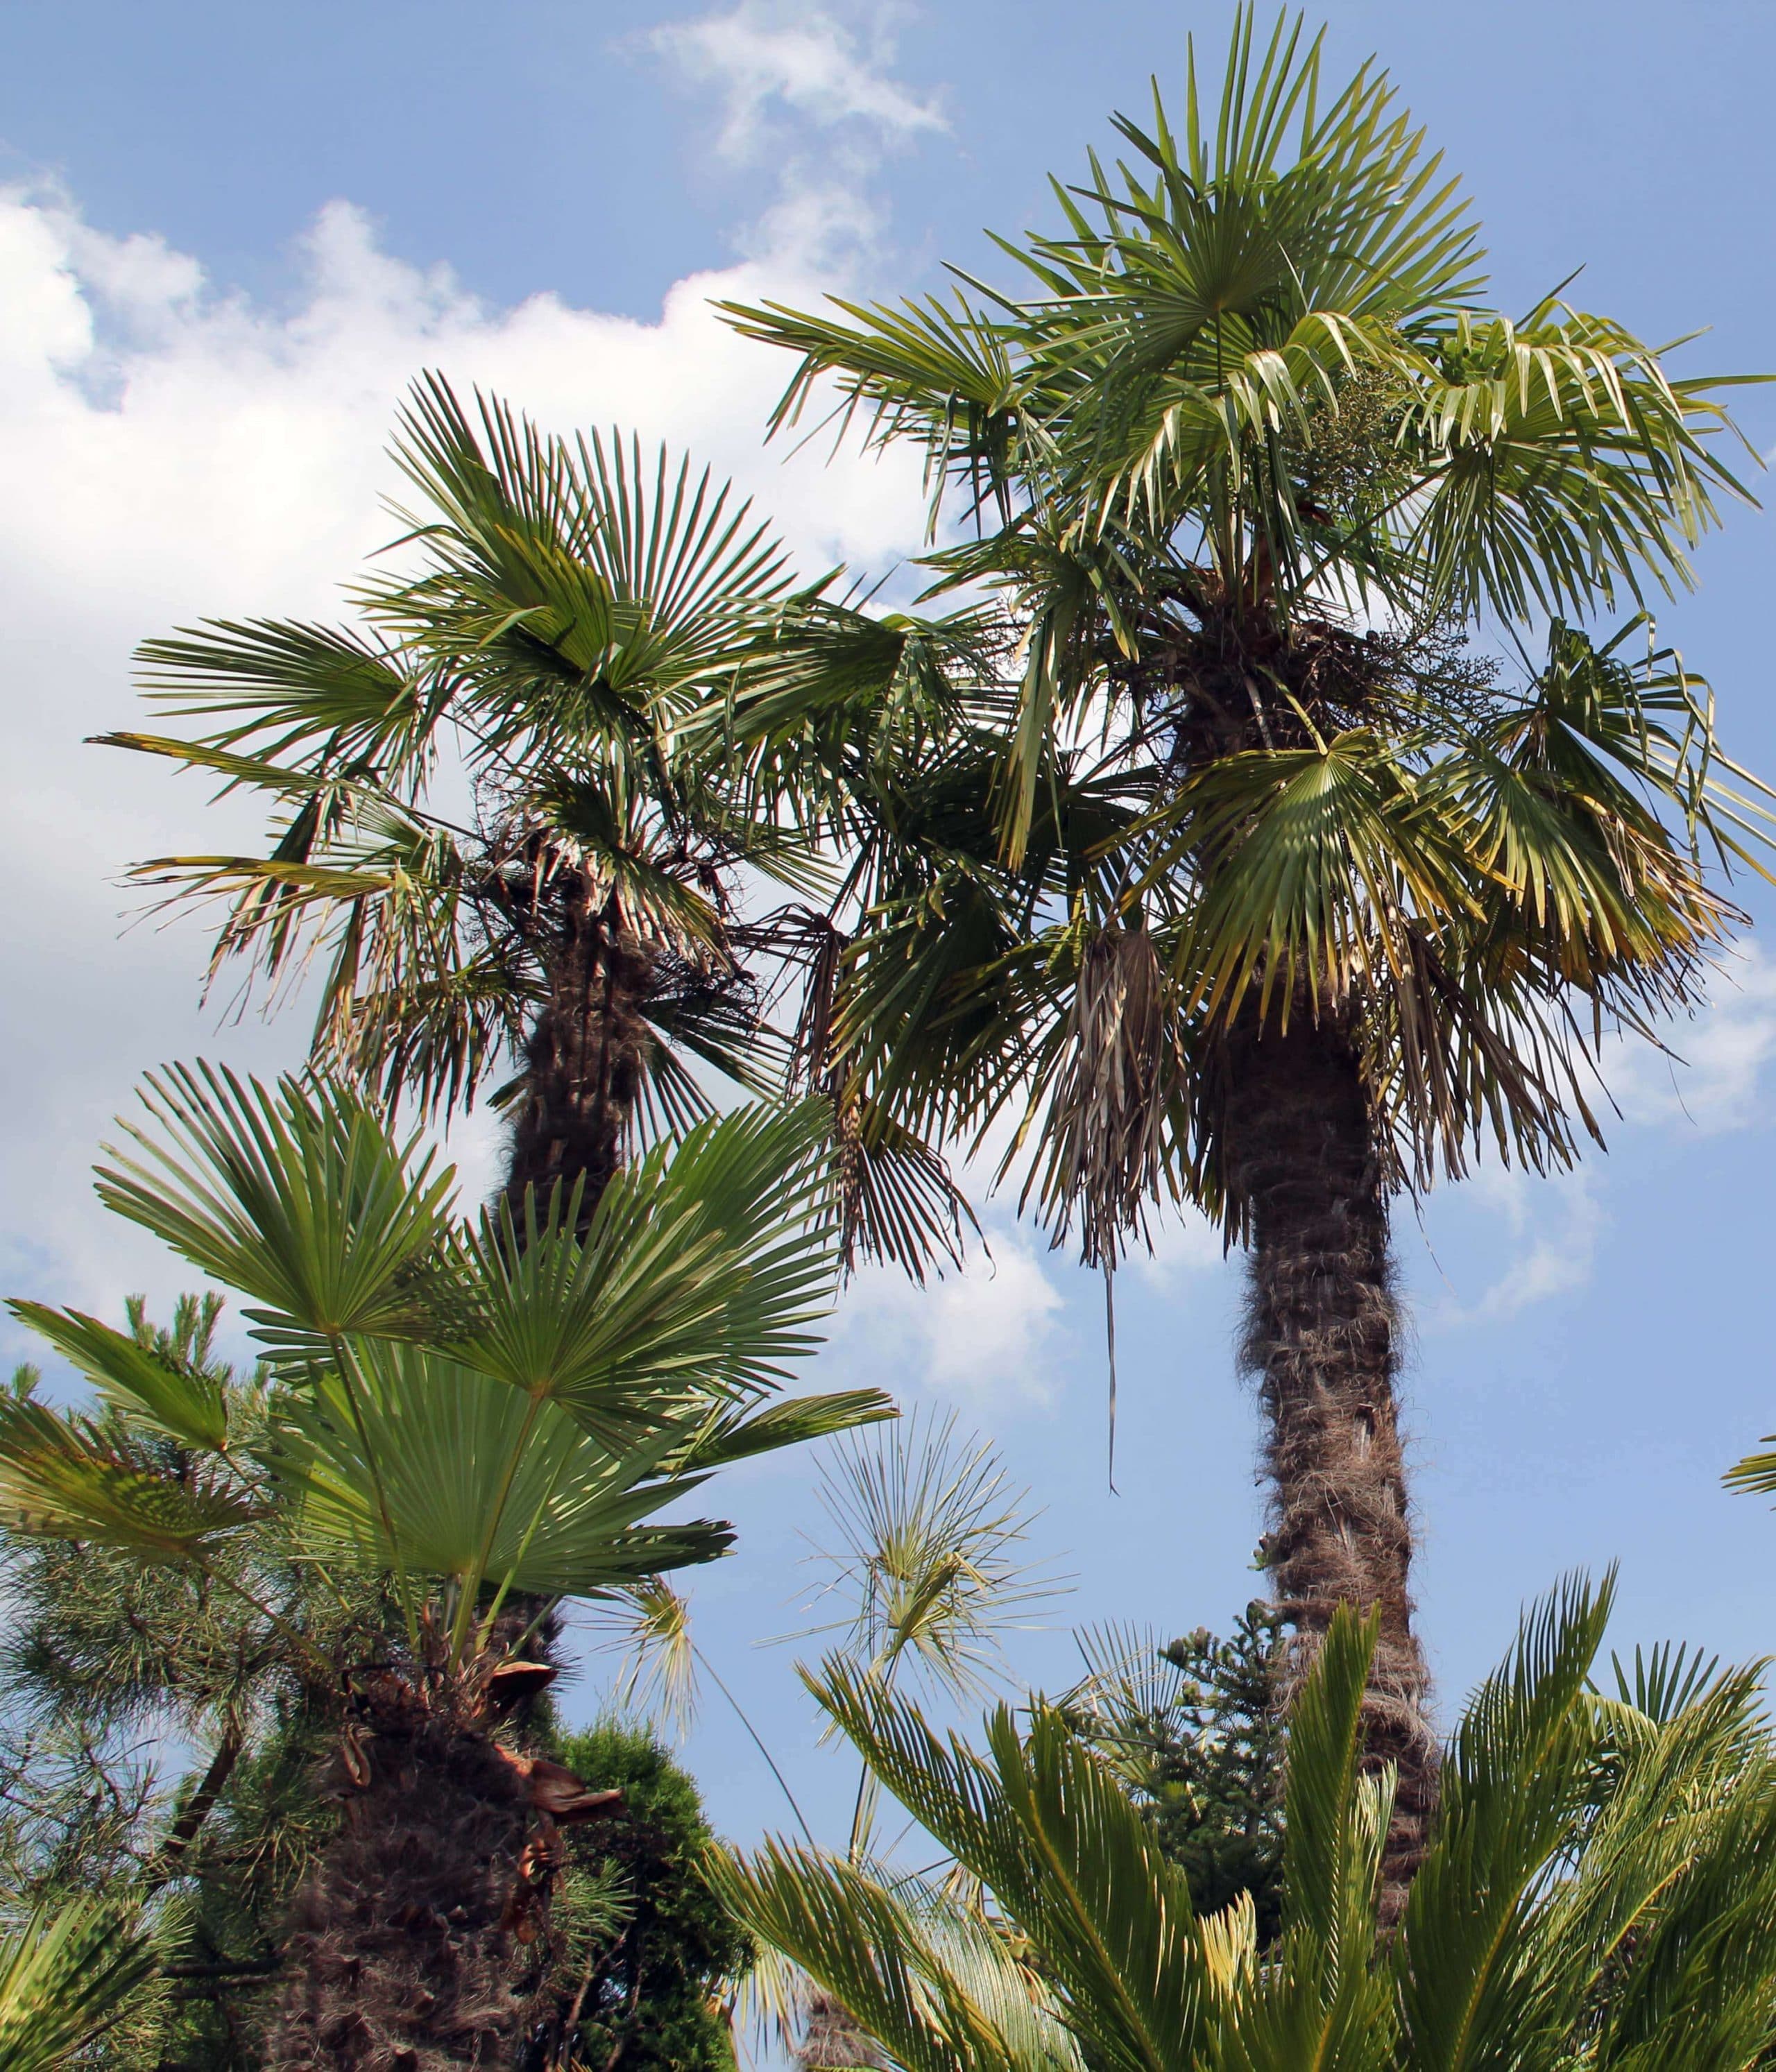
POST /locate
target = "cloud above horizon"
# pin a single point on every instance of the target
(765, 59)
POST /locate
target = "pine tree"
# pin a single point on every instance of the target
(1194, 1731)
(645, 1947)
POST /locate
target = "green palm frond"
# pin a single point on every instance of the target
(178, 1397)
(451, 1408)
(1599, 1893)
(934, 1988)
(1049, 1833)
(1756, 1473)
(65, 1477)
(938, 372)
(648, 1626)
(702, 1267)
(583, 588)
(348, 702)
(431, 1468)
(299, 1197)
(1470, 1988)
(66, 1976)
(928, 1560)
(731, 1434)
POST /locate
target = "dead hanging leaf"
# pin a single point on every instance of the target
(513, 1680)
(555, 1792)
(1109, 1110)
(1111, 1097)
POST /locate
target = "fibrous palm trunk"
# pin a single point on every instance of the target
(1321, 1338)
(400, 1955)
(584, 1061)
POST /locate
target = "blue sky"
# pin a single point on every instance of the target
(229, 236)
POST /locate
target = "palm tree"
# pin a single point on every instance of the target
(501, 816)
(463, 1413)
(1599, 1892)
(1288, 900)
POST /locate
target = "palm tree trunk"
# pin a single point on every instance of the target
(583, 1063)
(400, 1956)
(1321, 1338)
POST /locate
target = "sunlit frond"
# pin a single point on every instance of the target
(65, 1978)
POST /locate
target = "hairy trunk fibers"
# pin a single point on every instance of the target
(1321, 1339)
(830, 2041)
(400, 1956)
(583, 1063)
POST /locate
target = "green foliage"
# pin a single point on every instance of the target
(220, 1922)
(1194, 1731)
(1600, 1891)
(158, 1744)
(563, 650)
(446, 1414)
(66, 1976)
(646, 1951)
(452, 1403)
(572, 601)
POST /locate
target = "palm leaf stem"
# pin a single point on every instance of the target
(756, 1739)
(496, 1511)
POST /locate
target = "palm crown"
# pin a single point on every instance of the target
(586, 938)
(571, 603)
(1240, 469)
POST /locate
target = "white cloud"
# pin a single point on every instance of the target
(1714, 1079)
(802, 60)
(1553, 1226)
(985, 1332)
(1184, 1242)
(171, 453)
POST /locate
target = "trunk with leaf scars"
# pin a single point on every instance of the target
(414, 1943)
(1322, 1338)
(583, 1064)
(400, 1956)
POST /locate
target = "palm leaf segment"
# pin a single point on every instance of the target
(455, 1404)
(1599, 1892)
(1252, 401)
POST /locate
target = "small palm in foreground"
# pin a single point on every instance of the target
(464, 1411)
(1600, 1889)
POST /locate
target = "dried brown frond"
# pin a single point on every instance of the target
(1112, 1096)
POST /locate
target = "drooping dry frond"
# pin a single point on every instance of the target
(1111, 1105)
